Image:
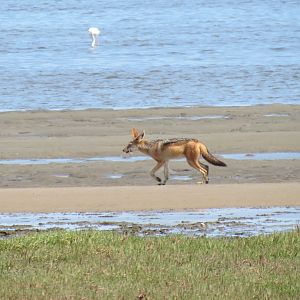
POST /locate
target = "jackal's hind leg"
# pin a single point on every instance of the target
(156, 168)
(206, 167)
(203, 169)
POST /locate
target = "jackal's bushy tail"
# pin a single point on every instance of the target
(210, 158)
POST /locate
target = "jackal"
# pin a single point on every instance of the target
(164, 150)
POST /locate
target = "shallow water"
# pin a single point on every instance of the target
(276, 115)
(130, 159)
(188, 118)
(115, 176)
(180, 177)
(209, 222)
(46, 161)
(151, 53)
(263, 156)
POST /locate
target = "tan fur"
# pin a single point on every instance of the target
(164, 150)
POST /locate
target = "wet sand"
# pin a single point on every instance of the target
(138, 198)
(94, 133)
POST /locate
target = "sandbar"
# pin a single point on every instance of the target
(139, 198)
(109, 185)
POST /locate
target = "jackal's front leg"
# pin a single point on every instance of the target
(166, 173)
(156, 168)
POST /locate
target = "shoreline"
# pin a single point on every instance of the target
(148, 198)
(145, 108)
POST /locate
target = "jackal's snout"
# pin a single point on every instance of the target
(127, 149)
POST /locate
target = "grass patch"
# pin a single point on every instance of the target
(107, 265)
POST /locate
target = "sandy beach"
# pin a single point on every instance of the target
(138, 198)
(108, 185)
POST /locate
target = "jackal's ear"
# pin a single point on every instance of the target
(134, 133)
(141, 136)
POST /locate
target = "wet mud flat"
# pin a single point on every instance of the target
(83, 148)
(134, 170)
(223, 222)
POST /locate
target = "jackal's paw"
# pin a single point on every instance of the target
(161, 183)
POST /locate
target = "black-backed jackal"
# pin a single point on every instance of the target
(164, 150)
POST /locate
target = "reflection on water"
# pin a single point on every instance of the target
(209, 222)
(238, 156)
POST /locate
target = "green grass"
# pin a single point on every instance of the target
(107, 265)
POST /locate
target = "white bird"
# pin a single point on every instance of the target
(94, 32)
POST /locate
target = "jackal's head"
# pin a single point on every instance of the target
(137, 138)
